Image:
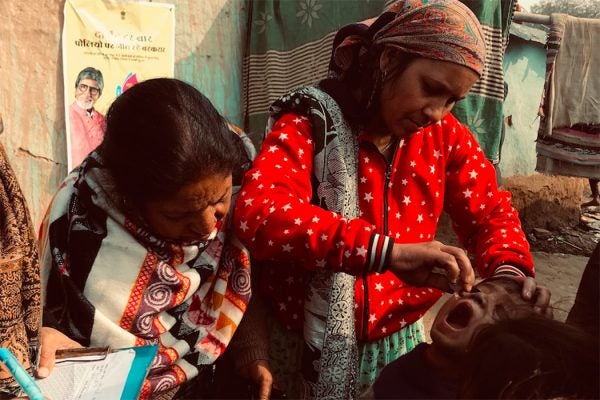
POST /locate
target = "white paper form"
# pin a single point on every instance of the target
(88, 377)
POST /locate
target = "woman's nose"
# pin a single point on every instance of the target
(207, 222)
(435, 112)
(220, 211)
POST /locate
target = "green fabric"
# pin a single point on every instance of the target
(284, 25)
(482, 109)
(285, 350)
(374, 356)
(289, 46)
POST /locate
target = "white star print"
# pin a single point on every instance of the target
(315, 219)
(298, 221)
(256, 175)
(413, 164)
(406, 200)
(287, 248)
(432, 169)
(473, 174)
(378, 287)
(361, 251)
(323, 237)
(467, 193)
(366, 160)
(368, 197)
(404, 182)
(271, 243)
(321, 263)
(363, 180)
(309, 232)
(437, 153)
(297, 120)
(244, 226)
(420, 218)
(372, 318)
(286, 207)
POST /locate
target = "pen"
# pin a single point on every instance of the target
(21, 375)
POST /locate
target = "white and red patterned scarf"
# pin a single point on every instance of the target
(109, 281)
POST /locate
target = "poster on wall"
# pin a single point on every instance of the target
(109, 46)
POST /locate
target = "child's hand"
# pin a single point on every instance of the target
(259, 372)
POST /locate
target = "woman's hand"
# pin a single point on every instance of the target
(259, 373)
(52, 340)
(432, 264)
(539, 295)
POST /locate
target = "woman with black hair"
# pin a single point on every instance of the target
(136, 244)
(342, 203)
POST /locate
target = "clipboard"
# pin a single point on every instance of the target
(97, 372)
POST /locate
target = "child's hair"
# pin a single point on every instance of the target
(531, 358)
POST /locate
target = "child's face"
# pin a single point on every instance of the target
(465, 313)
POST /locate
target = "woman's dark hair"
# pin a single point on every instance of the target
(163, 134)
(531, 358)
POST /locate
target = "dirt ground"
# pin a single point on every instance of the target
(561, 241)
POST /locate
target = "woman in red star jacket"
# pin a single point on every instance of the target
(342, 203)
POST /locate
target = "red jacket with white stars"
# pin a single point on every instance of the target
(438, 168)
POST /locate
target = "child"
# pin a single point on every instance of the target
(533, 358)
(430, 370)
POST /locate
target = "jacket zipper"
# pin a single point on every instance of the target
(388, 177)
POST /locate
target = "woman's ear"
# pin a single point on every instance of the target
(388, 60)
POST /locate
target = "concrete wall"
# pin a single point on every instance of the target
(209, 42)
(524, 71)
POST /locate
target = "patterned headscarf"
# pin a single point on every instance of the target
(444, 30)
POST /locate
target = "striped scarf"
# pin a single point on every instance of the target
(113, 282)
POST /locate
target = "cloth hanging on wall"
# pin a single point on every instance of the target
(482, 109)
(290, 45)
(569, 135)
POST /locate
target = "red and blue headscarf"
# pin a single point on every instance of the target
(444, 30)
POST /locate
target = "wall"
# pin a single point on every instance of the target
(209, 43)
(524, 71)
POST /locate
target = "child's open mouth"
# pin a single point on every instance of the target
(460, 316)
